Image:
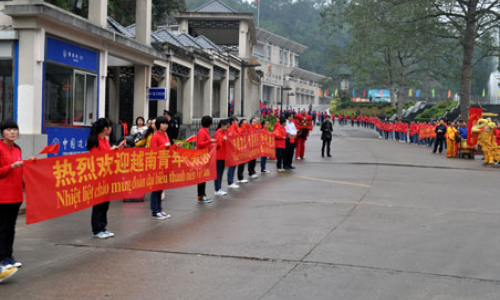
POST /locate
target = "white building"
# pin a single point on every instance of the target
(280, 66)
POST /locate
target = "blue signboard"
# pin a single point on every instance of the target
(72, 55)
(71, 140)
(157, 94)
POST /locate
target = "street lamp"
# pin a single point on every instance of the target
(286, 88)
(252, 63)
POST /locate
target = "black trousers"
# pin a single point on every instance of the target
(202, 187)
(8, 218)
(288, 159)
(326, 143)
(241, 169)
(100, 217)
(440, 142)
(279, 157)
(251, 167)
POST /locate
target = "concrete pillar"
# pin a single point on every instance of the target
(165, 82)
(142, 76)
(143, 21)
(237, 97)
(243, 41)
(98, 12)
(103, 72)
(224, 96)
(208, 94)
(187, 99)
(29, 101)
(114, 96)
(184, 26)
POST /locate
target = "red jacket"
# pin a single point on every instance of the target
(11, 181)
(279, 136)
(204, 139)
(159, 140)
(221, 144)
(103, 145)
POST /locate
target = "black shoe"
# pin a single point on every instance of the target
(322, 155)
(329, 155)
(292, 168)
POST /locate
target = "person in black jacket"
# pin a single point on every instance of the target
(440, 136)
(173, 126)
(326, 136)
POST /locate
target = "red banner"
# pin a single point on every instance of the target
(474, 115)
(267, 144)
(246, 147)
(76, 182)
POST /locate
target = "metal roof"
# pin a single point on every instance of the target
(113, 25)
(269, 37)
(166, 36)
(303, 74)
(215, 6)
(207, 44)
(188, 41)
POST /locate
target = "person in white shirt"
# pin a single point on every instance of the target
(138, 129)
(291, 132)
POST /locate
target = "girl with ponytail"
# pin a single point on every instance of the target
(97, 142)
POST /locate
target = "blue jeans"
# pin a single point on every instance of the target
(263, 161)
(156, 202)
(220, 173)
(230, 175)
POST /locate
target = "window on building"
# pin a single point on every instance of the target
(286, 59)
(269, 52)
(6, 90)
(291, 60)
(70, 96)
(281, 56)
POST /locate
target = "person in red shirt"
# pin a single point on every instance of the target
(243, 129)
(204, 141)
(11, 197)
(232, 131)
(279, 133)
(254, 127)
(221, 137)
(263, 159)
(97, 142)
(159, 141)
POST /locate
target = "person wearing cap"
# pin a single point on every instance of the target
(173, 126)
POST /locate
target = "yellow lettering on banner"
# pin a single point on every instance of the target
(64, 174)
(104, 164)
(191, 176)
(69, 197)
(137, 161)
(163, 157)
(122, 163)
(178, 159)
(150, 160)
(88, 193)
(85, 169)
(121, 187)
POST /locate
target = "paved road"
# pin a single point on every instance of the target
(380, 220)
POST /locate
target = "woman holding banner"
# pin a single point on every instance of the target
(279, 133)
(241, 167)
(221, 137)
(159, 141)
(255, 127)
(263, 159)
(98, 142)
(232, 131)
(203, 142)
(11, 197)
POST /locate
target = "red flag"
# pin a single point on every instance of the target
(474, 115)
(364, 93)
(125, 127)
(257, 2)
(50, 149)
(192, 139)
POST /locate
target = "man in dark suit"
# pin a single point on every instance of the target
(326, 136)
(173, 126)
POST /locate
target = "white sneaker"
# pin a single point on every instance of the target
(159, 216)
(233, 186)
(166, 215)
(254, 176)
(109, 234)
(221, 193)
(242, 181)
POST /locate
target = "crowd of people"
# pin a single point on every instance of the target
(159, 133)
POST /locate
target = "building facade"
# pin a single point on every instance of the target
(280, 67)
